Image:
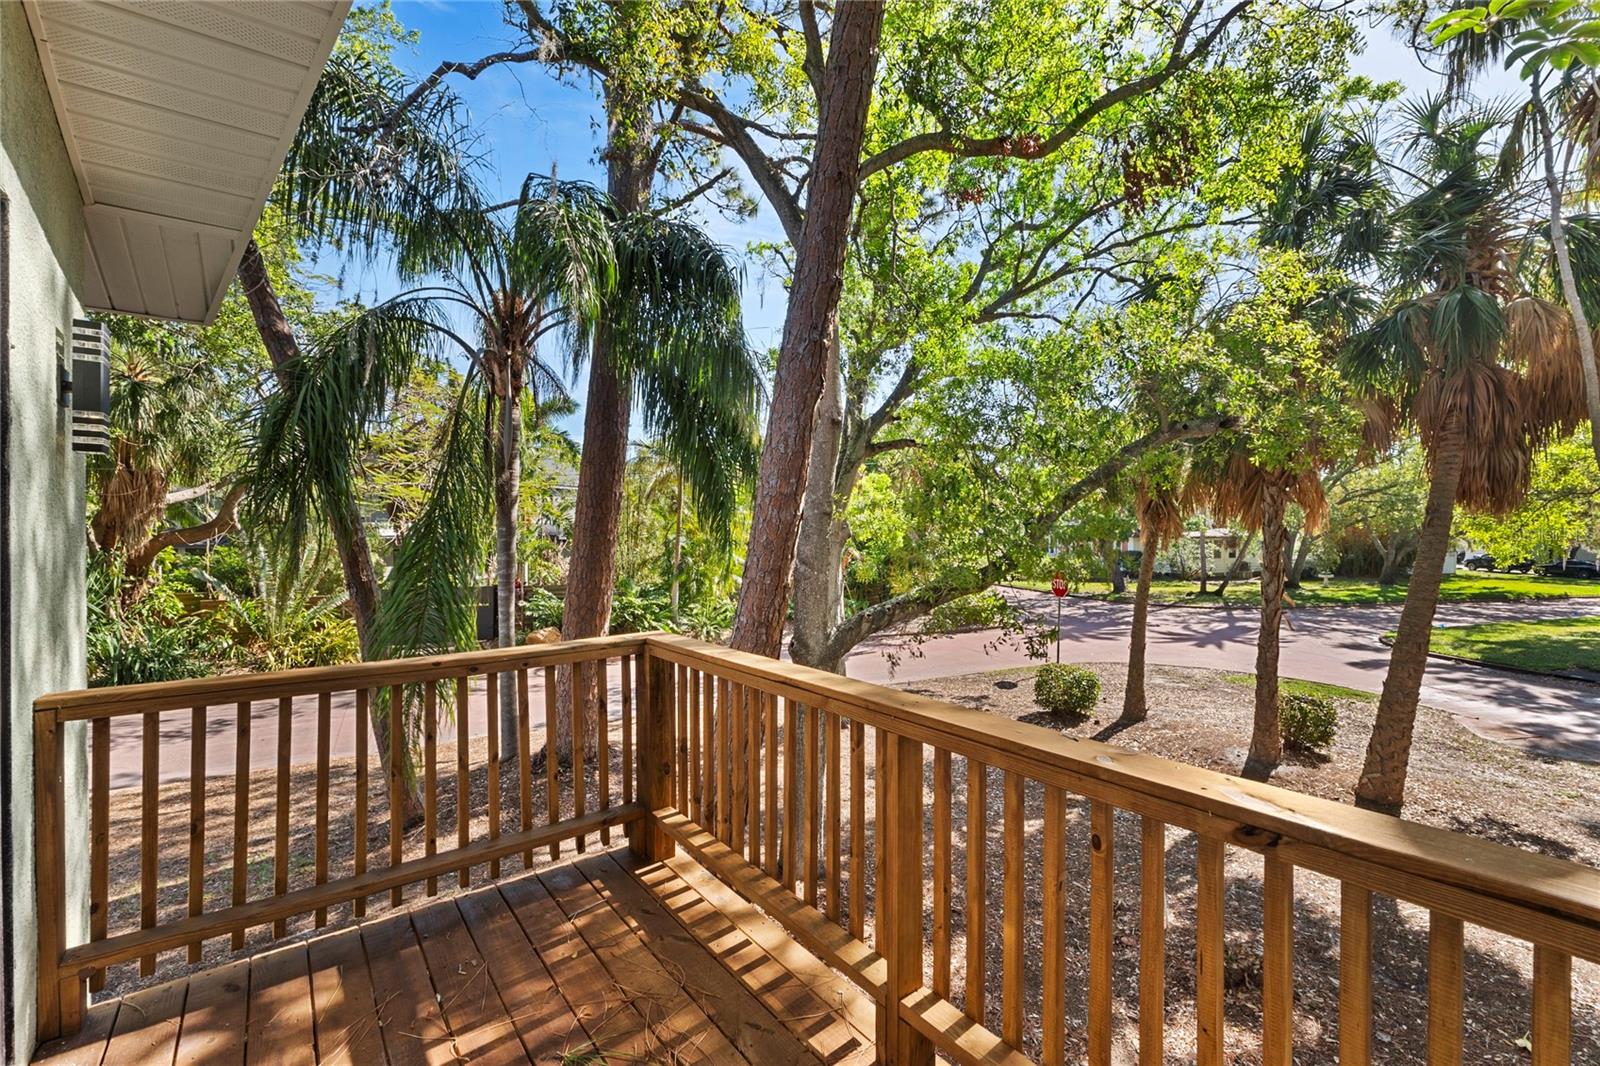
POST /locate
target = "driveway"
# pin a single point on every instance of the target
(1337, 645)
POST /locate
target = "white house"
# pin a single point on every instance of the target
(138, 142)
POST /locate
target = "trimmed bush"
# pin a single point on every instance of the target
(1309, 723)
(1070, 691)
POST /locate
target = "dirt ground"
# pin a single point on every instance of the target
(1458, 781)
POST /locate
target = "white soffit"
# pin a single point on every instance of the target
(177, 115)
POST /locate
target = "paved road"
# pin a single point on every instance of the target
(1338, 645)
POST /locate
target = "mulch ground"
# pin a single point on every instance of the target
(1458, 781)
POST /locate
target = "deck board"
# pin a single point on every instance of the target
(599, 955)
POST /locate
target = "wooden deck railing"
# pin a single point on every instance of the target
(833, 805)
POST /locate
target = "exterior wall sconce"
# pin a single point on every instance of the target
(86, 388)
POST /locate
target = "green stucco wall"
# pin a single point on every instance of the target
(45, 483)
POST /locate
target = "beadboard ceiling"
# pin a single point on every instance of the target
(177, 115)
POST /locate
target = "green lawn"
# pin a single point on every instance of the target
(1293, 686)
(1550, 645)
(1459, 588)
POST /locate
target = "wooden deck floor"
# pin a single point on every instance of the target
(597, 960)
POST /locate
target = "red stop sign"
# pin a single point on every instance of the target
(1058, 584)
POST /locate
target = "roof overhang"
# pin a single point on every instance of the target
(177, 115)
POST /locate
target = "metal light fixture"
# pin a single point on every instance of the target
(87, 390)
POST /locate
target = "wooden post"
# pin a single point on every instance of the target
(55, 1016)
(656, 752)
(900, 939)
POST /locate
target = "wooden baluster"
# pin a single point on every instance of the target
(880, 801)
(1277, 963)
(491, 706)
(280, 862)
(708, 756)
(59, 998)
(1208, 951)
(977, 886)
(1552, 1006)
(525, 762)
(149, 830)
(751, 709)
(99, 837)
(1054, 876)
(724, 764)
(680, 693)
(1012, 949)
(858, 829)
(358, 907)
(1444, 989)
(1355, 975)
(791, 796)
(628, 662)
(830, 734)
(695, 778)
(397, 821)
(241, 814)
(1102, 930)
(941, 872)
(324, 754)
(1152, 941)
(768, 705)
(463, 778)
(197, 820)
(603, 735)
(738, 764)
(430, 776)
(552, 764)
(901, 887)
(580, 741)
(811, 821)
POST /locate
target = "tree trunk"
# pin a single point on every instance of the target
(818, 579)
(602, 468)
(507, 497)
(1291, 572)
(343, 513)
(1134, 707)
(1302, 553)
(1389, 573)
(1203, 561)
(1266, 739)
(808, 325)
(1383, 776)
(1114, 572)
(1569, 283)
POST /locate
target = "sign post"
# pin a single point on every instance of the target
(1058, 587)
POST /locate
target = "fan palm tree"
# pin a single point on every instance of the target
(1484, 365)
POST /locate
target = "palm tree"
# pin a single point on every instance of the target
(1484, 365)
(1160, 523)
(514, 279)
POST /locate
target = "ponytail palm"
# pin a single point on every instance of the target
(1480, 364)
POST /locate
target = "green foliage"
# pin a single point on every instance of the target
(1068, 691)
(1308, 722)
(984, 610)
(148, 640)
(295, 621)
(541, 609)
(1562, 508)
(637, 610)
(708, 620)
(1555, 644)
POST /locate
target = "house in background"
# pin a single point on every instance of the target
(138, 143)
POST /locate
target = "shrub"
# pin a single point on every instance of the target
(709, 621)
(541, 609)
(640, 610)
(1066, 690)
(1308, 722)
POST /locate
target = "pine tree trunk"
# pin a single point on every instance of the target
(602, 467)
(1266, 740)
(1134, 707)
(507, 497)
(808, 325)
(1383, 776)
(342, 511)
(1569, 283)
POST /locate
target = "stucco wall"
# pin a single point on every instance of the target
(45, 482)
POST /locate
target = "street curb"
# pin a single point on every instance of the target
(1562, 675)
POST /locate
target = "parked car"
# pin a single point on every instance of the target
(1481, 561)
(1573, 568)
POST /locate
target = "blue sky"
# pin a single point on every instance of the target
(530, 122)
